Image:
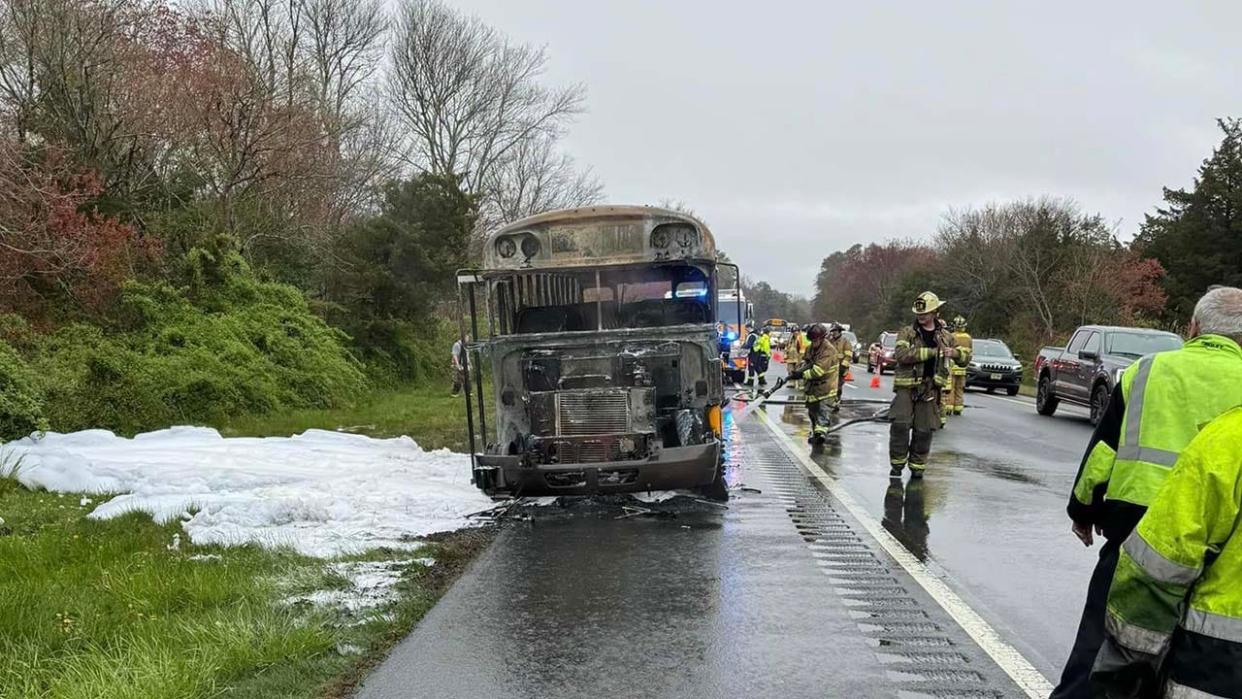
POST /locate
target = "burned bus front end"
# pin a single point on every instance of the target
(625, 411)
(603, 374)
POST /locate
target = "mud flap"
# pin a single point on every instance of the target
(718, 489)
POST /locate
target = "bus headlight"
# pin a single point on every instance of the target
(505, 247)
(530, 246)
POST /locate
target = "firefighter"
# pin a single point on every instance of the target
(794, 350)
(846, 352)
(955, 393)
(819, 369)
(1157, 407)
(1175, 605)
(923, 354)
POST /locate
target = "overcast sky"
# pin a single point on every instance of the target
(799, 128)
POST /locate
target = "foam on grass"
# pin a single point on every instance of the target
(322, 493)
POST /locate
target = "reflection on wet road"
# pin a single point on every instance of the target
(905, 515)
(990, 514)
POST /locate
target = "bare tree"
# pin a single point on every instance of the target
(467, 96)
(323, 137)
(534, 178)
(343, 46)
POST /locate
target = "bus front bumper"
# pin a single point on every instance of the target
(672, 468)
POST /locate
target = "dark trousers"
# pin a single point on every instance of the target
(757, 366)
(1075, 678)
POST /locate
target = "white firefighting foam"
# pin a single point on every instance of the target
(322, 493)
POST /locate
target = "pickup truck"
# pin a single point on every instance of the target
(1085, 371)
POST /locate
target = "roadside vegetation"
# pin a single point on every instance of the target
(1031, 271)
(428, 413)
(199, 227)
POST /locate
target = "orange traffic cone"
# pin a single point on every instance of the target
(849, 376)
(875, 381)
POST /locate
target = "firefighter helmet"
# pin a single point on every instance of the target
(817, 331)
(836, 329)
(959, 323)
(927, 302)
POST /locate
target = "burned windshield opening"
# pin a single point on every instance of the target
(605, 299)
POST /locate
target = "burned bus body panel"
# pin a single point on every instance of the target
(603, 354)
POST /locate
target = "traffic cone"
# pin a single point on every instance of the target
(849, 376)
(875, 381)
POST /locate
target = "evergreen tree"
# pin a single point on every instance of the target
(1197, 235)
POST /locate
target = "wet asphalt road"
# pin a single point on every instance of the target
(754, 601)
(992, 513)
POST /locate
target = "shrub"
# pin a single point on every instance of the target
(21, 404)
(228, 345)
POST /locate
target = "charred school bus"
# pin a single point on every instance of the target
(596, 345)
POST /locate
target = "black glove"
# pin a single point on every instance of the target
(795, 374)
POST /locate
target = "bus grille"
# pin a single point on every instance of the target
(593, 412)
(596, 452)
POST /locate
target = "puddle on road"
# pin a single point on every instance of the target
(984, 465)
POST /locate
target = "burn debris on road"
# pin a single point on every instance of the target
(662, 504)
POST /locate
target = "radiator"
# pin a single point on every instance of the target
(591, 412)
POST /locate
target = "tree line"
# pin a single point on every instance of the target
(1030, 271)
(226, 206)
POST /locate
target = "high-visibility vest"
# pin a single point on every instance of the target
(1181, 567)
(965, 347)
(763, 345)
(1169, 397)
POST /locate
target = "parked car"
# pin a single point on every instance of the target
(1086, 370)
(993, 366)
(880, 355)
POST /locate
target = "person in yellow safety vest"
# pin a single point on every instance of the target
(1175, 605)
(794, 350)
(846, 352)
(819, 368)
(760, 357)
(955, 394)
(1158, 406)
(923, 353)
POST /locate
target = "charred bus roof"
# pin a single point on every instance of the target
(598, 236)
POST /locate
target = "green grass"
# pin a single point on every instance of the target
(428, 414)
(106, 609)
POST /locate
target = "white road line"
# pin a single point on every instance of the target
(1023, 403)
(1078, 411)
(1019, 669)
